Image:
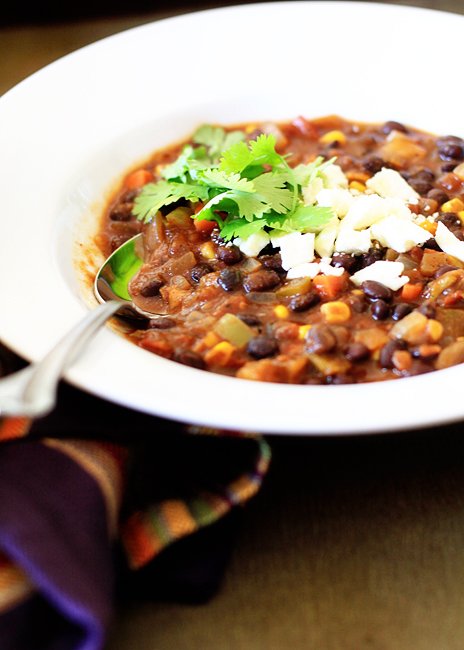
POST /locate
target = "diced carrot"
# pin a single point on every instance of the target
(411, 291)
(138, 179)
(204, 225)
(329, 286)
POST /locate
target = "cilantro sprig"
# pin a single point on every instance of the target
(245, 187)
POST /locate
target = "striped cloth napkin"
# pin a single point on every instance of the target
(99, 502)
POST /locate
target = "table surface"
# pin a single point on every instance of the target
(353, 543)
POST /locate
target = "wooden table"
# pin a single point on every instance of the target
(353, 543)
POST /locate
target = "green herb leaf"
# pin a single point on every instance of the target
(156, 195)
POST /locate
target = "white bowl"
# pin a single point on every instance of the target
(70, 130)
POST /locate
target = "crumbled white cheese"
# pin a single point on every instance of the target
(309, 269)
(448, 242)
(312, 269)
(337, 200)
(353, 241)
(333, 177)
(324, 244)
(399, 234)
(390, 183)
(387, 273)
(311, 191)
(370, 208)
(254, 244)
(296, 248)
(328, 269)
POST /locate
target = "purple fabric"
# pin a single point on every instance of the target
(59, 540)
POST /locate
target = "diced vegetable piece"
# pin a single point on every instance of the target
(234, 330)
(220, 355)
(373, 338)
(442, 283)
(295, 287)
(411, 291)
(138, 179)
(180, 217)
(329, 365)
(451, 355)
(431, 262)
(329, 286)
(411, 328)
(282, 369)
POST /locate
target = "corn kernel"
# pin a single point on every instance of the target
(332, 136)
(358, 186)
(208, 250)
(461, 215)
(454, 205)
(281, 311)
(250, 128)
(429, 226)
(434, 330)
(220, 355)
(303, 330)
(335, 312)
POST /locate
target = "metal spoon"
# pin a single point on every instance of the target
(31, 392)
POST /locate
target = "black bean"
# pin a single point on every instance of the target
(366, 259)
(457, 232)
(372, 163)
(304, 301)
(448, 166)
(450, 139)
(320, 339)
(121, 212)
(444, 269)
(229, 279)
(199, 270)
(451, 151)
(357, 352)
(272, 262)
(388, 350)
(261, 347)
(438, 195)
(348, 262)
(391, 125)
(420, 185)
(375, 290)
(449, 219)
(189, 358)
(161, 323)
(428, 309)
(380, 310)
(248, 319)
(418, 368)
(261, 281)
(401, 310)
(151, 288)
(432, 244)
(229, 254)
(424, 175)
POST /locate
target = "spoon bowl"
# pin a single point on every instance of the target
(31, 392)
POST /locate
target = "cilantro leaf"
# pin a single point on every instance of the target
(305, 174)
(216, 139)
(242, 228)
(157, 195)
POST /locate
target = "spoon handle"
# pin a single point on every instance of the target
(31, 392)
